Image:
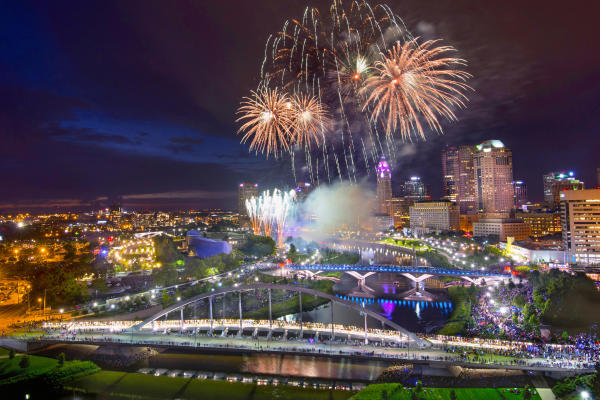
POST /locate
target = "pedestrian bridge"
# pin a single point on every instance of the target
(402, 332)
(397, 269)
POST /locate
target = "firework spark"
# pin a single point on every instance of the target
(412, 81)
(311, 120)
(283, 202)
(252, 208)
(267, 120)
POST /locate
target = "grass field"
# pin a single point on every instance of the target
(396, 392)
(10, 368)
(159, 387)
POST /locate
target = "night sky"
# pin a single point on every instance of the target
(137, 99)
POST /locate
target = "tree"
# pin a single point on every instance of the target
(293, 253)
(533, 322)
(526, 393)
(11, 354)
(24, 363)
(565, 335)
(452, 395)
(61, 359)
(419, 387)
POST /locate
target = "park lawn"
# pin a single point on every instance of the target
(38, 365)
(161, 387)
(395, 392)
(98, 382)
(217, 390)
(296, 393)
(3, 351)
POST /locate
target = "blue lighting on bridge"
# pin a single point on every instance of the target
(397, 269)
(390, 304)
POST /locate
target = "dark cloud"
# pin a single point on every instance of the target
(105, 138)
(187, 140)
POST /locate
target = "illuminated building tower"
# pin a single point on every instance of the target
(246, 191)
(492, 164)
(384, 188)
(519, 193)
(580, 220)
(459, 181)
(557, 182)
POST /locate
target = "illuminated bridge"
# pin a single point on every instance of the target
(397, 269)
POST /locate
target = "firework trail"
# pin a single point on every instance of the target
(364, 82)
(252, 208)
(283, 203)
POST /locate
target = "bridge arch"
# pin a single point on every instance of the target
(272, 286)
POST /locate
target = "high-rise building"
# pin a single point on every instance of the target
(541, 223)
(519, 194)
(384, 188)
(492, 163)
(557, 182)
(450, 171)
(580, 220)
(548, 180)
(415, 190)
(427, 216)
(459, 180)
(246, 191)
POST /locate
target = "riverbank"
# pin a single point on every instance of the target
(462, 299)
(395, 391)
(119, 385)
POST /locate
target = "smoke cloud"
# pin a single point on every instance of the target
(332, 207)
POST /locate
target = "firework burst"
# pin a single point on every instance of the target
(311, 120)
(267, 120)
(413, 81)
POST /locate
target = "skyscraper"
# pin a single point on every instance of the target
(557, 182)
(493, 173)
(384, 188)
(459, 180)
(450, 171)
(246, 191)
(519, 193)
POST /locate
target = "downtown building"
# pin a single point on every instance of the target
(459, 178)
(519, 194)
(245, 192)
(383, 201)
(580, 211)
(434, 216)
(493, 172)
(557, 182)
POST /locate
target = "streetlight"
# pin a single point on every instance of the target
(585, 395)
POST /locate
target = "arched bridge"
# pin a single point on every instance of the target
(270, 286)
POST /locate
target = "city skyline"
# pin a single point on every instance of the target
(92, 119)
